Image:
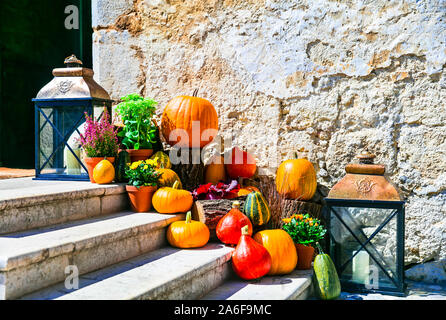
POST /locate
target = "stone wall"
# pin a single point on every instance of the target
(326, 78)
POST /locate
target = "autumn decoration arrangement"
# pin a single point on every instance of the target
(245, 224)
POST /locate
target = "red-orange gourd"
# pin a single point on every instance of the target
(215, 170)
(229, 227)
(250, 260)
(243, 164)
(194, 117)
(296, 179)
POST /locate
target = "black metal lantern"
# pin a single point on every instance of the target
(60, 109)
(365, 217)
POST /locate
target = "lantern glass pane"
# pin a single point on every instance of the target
(59, 126)
(370, 234)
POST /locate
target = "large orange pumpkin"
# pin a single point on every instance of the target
(189, 114)
(296, 179)
(281, 248)
(215, 170)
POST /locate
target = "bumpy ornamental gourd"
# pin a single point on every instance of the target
(168, 178)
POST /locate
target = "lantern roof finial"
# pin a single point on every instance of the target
(72, 61)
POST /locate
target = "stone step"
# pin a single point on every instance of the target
(36, 259)
(293, 286)
(27, 204)
(166, 273)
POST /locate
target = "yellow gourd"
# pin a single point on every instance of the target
(281, 247)
(104, 172)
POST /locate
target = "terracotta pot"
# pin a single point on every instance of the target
(140, 198)
(90, 163)
(305, 256)
(140, 154)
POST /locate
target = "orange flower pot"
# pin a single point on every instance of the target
(90, 163)
(140, 198)
(140, 154)
(305, 256)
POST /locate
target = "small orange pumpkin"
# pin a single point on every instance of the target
(281, 247)
(188, 234)
(215, 170)
(296, 179)
(185, 113)
(172, 199)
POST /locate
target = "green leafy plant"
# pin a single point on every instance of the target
(142, 173)
(139, 131)
(304, 229)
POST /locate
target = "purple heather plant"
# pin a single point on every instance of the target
(100, 138)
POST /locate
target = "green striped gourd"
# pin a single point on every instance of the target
(326, 280)
(256, 208)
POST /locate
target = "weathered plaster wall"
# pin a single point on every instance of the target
(330, 77)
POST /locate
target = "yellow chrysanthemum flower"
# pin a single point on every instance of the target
(146, 167)
(286, 220)
(133, 166)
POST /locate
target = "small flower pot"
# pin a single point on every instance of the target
(305, 256)
(140, 198)
(140, 154)
(90, 163)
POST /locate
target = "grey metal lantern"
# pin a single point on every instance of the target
(365, 219)
(60, 108)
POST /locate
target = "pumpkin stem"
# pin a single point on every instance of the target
(236, 204)
(296, 156)
(176, 184)
(245, 231)
(194, 94)
(188, 217)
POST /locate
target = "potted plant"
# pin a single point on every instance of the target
(98, 142)
(139, 134)
(143, 182)
(305, 232)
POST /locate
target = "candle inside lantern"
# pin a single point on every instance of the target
(361, 267)
(73, 166)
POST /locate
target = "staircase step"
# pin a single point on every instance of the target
(27, 204)
(166, 273)
(293, 286)
(36, 259)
